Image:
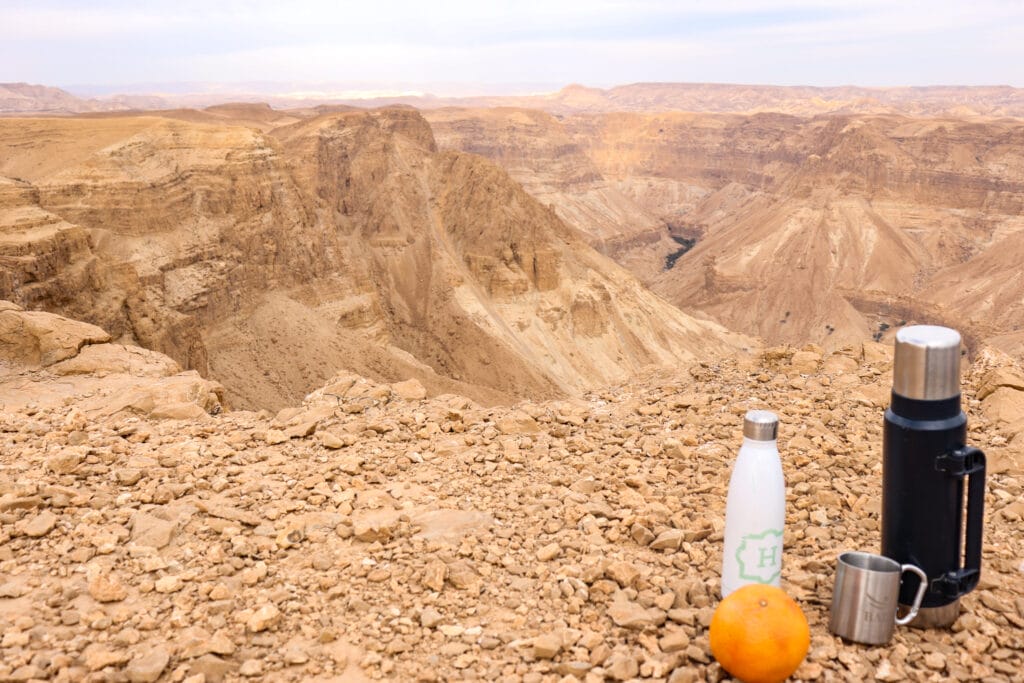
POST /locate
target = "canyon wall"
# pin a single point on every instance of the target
(830, 229)
(271, 256)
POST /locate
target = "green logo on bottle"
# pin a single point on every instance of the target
(760, 556)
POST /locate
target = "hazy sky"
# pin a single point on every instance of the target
(594, 42)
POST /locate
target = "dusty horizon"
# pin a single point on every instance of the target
(371, 90)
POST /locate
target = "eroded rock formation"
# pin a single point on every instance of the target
(831, 229)
(271, 256)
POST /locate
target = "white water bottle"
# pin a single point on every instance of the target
(755, 511)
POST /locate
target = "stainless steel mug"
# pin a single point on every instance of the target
(866, 594)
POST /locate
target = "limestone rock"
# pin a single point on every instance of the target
(107, 588)
(434, 575)
(409, 390)
(629, 614)
(39, 525)
(547, 646)
(518, 423)
(335, 441)
(838, 364)
(876, 353)
(169, 584)
(669, 539)
(152, 531)
(276, 436)
(147, 665)
(623, 573)
(370, 529)
(622, 666)
(1000, 376)
(1004, 404)
(251, 668)
(36, 338)
(430, 617)
(64, 463)
(263, 618)
(549, 552)
(100, 657)
(106, 359)
(674, 640)
(805, 362)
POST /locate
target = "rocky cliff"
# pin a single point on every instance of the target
(538, 151)
(271, 256)
(49, 362)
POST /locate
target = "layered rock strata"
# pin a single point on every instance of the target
(270, 257)
(831, 229)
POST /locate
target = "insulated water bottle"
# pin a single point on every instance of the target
(755, 509)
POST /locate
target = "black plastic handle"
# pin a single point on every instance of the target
(966, 462)
(975, 514)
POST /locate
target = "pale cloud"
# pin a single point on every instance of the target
(409, 62)
(599, 42)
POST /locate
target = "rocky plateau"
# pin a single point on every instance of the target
(372, 533)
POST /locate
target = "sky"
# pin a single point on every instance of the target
(466, 46)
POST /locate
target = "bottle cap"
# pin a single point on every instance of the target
(926, 363)
(761, 425)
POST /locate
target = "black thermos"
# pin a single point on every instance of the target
(926, 468)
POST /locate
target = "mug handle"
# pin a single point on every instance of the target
(920, 592)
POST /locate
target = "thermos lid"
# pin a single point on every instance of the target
(761, 425)
(926, 364)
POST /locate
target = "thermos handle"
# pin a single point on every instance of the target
(975, 516)
(967, 462)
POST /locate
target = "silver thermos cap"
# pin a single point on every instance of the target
(761, 425)
(926, 365)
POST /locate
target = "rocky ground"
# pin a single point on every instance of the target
(372, 533)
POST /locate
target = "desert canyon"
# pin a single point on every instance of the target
(441, 389)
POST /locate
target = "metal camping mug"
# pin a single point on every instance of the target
(866, 594)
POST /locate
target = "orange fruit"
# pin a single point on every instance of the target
(759, 634)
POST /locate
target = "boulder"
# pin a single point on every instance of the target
(1005, 376)
(876, 353)
(1008, 459)
(838, 364)
(805, 362)
(410, 390)
(182, 396)
(39, 339)
(517, 422)
(105, 359)
(1004, 404)
(148, 664)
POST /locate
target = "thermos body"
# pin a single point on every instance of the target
(933, 484)
(924, 465)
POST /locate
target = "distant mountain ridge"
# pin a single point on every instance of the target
(29, 98)
(798, 100)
